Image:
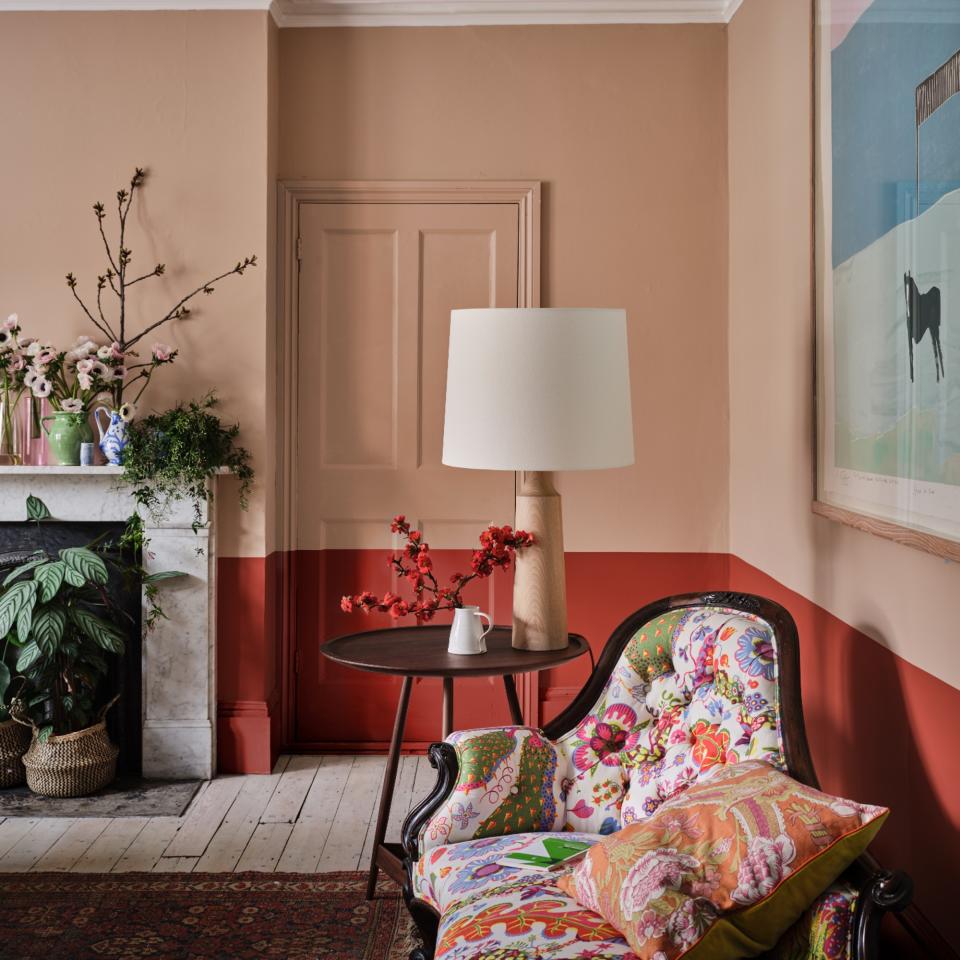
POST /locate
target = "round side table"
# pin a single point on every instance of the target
(411, 652)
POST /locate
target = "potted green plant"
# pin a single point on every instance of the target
(58, 612)
(173, 456)
(14, 737)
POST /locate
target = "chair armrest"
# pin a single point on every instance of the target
(491, 782)
(882, 891)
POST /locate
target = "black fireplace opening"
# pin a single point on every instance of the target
(124, 720)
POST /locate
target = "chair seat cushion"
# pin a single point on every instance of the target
(462, 871)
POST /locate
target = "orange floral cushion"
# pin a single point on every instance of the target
(722, 870)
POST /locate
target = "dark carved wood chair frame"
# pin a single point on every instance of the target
(880, 890)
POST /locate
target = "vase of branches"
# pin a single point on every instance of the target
(124, 371)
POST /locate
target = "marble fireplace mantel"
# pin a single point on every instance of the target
(179, 654)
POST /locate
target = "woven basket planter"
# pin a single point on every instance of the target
(14, 740)
(73, 764)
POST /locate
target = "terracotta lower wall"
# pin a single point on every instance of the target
(880, 730)
(878, 726)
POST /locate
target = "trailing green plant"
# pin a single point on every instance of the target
(173, 455)
(59, 625)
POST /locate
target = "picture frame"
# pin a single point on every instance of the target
(887, 268)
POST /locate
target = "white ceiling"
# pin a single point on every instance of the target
(410, 13)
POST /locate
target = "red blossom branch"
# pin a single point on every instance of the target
(498, 546)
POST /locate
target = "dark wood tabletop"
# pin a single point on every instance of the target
(422, 652)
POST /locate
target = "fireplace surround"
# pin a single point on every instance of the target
(178, 656)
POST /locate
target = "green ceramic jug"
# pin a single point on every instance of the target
(69, 430)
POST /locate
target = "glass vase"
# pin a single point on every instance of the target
(35, 447)
(12, 430)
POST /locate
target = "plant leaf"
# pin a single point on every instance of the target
(13, 601)
(24, 620)
(86, 563)
(4, 680)
(23, 568)
(101, 632)
(163, 575)
(44, 734)
(37, 509)
(49, 577)
(72, 577)
(28, 656)
(48, 629)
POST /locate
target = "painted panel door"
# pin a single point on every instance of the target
(377, 283)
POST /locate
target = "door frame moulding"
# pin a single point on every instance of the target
(526, 195)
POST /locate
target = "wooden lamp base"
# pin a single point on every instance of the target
(539, 586)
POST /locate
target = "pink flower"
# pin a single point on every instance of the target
(44, 357)
(690, 920)
(116, 353)
(85, 366)
(656, 872)
(11, 323)
(162, 353)
(766, 863)
(604, 738)
(581, 810)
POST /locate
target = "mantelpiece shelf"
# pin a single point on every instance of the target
(61, 471)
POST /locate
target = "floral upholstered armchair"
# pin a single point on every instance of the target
(684, 685)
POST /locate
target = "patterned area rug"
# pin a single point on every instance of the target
(201, 916)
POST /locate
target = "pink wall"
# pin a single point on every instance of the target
(626, 128)
(89, 96)
(877, 619)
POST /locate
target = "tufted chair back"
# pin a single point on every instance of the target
(694, 687)
(683, 686)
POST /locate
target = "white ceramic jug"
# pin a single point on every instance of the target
(467, 633)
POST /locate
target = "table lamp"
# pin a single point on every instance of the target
(533, 391)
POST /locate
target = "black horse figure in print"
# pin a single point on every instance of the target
(923, 314)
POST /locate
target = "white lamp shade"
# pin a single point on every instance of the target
(545, 389)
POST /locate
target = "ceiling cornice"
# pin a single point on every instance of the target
(457, 13)
(135, 6)
(423, 13)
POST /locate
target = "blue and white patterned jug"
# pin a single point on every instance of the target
(113, 439)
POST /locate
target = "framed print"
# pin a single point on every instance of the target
(887, 225)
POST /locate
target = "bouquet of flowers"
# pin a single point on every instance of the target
(73, 379)
(498, 546)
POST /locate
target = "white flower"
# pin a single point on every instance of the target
(766, 863)
(41, 387)
(34, 347)
(105, 353)
(85, 365)
(30, 378)
(127, 412)
(71, 405)
(85, 381)
(11, 323)
(98, 370)
(119, 372)
(8, 340)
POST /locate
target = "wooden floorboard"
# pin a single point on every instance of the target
(311, 814)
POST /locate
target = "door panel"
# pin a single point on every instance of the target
(377, 283)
